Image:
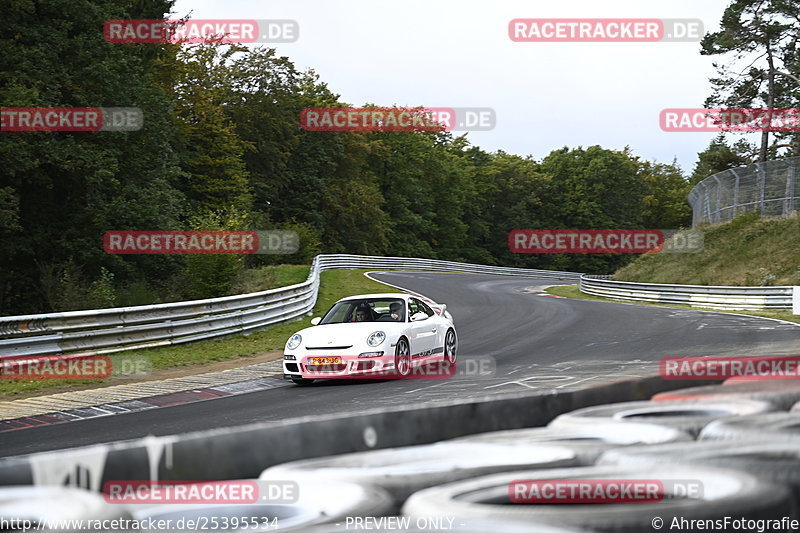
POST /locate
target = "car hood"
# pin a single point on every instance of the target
(347, 334)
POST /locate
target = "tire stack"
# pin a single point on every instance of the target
(739, 442)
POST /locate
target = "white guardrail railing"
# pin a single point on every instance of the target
(100, 331)
(731, 298)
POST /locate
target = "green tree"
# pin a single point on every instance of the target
(212, 152)
(665, 204)
(720, 156)
(71, 187)
(759, 40)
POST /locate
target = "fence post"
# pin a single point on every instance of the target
(706, 202)
(735, 194)
(791, 186)
(761, 185)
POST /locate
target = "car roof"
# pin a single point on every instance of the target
(377, 295)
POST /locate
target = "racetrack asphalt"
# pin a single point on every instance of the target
(534, 342)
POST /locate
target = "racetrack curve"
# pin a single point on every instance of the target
(534, 342)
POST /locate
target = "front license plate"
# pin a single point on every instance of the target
(325, 361)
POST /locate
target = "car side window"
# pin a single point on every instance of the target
(419, 307)
(427, 309)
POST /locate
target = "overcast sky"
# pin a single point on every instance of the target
(457, 53)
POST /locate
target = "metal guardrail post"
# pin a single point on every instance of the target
(796, 300)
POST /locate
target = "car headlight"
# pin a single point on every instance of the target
(294, 341)
(376, 338)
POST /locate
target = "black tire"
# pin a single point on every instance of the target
(316, 503)
(402, 358)
(302, 381)
(724, 493)
(687, 416)
(774, 427)
(589, 441)
(781, 394)
(403, 471)
(450, 346)
(778, 462)
(44, 503)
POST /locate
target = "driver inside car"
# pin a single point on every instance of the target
(396, 311)
(361, 315)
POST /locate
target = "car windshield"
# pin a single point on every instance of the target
(366, 310)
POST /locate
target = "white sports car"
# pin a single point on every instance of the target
(372, 336)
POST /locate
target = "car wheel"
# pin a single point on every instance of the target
(450, 346)
(402, 358)
(302, 381)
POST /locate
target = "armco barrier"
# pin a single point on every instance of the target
(744, 298)
(243, 452)
(126, 328)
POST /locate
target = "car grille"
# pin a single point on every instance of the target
(292, 367)
(326, 368)
(328, 347)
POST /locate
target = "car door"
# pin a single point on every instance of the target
(424, 332)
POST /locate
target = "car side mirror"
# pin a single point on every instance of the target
(416, 317)
(316, 320)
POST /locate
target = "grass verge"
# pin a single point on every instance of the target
(334, 284)
(748, 251)
(572, 291)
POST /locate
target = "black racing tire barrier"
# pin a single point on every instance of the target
(42, 504)
(686, 416)
(773, 427)
(778, 462)
(588, 441)
(318, 503)
(403, 471)
(781, 394)
(725, 493)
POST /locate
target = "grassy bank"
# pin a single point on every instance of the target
(747, 251)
